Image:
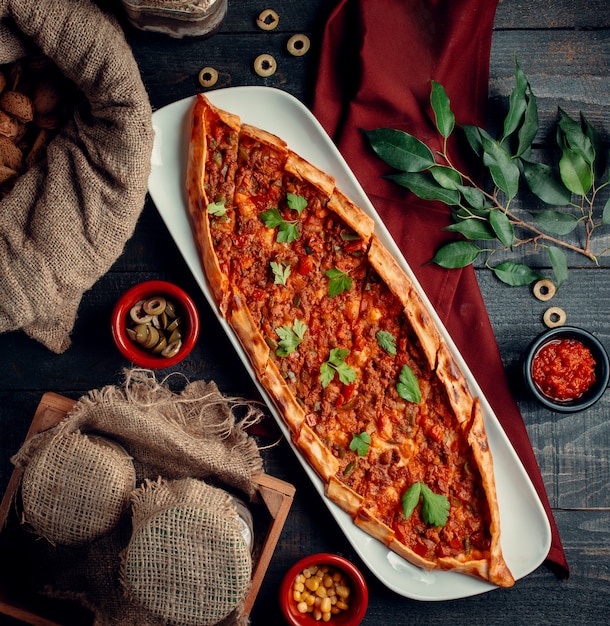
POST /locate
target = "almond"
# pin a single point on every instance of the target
(18, 105)
(9, 126)
(10, 155)
(6, 173)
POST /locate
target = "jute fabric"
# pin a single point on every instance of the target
(187, 561)
(68, 218)
(76, 489)
(172, 435)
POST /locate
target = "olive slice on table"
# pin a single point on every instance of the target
(298, 45)
(265, 65)
(268, 19)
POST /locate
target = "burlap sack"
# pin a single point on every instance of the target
(196, 433)
(77, 489)
(67, 219)
(187, 561)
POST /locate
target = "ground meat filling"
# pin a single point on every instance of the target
(410, 442)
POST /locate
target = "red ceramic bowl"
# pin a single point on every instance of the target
(359, 595)
(189, 323)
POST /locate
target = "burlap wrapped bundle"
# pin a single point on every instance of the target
(76, 488)
(187, 561)
(67, 219)
(196, 433)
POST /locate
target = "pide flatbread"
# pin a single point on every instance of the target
(343, 343)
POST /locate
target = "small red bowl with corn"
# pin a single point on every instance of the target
(324, 587)
(155, 324)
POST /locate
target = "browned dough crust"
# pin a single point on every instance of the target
(233, 306)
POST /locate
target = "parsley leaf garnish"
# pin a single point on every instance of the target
(296, 203)
(386, 342)
(286, 231)
(338, 283)
(434, 506)
(360, 443)
(217, 208)
(280, 273)
(336, 363)
(408, 387)
(290, 338)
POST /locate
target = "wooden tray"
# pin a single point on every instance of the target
(271, 506)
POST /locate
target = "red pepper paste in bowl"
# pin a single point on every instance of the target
(564, 369)
(567, 369)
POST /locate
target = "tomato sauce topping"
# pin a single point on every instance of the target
(563, 369)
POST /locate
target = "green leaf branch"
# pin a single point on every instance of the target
(482, 211)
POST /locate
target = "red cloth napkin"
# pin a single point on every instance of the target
(376, 63)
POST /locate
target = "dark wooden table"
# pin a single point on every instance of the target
(564, 48)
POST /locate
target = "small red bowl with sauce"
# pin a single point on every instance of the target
(567, 369)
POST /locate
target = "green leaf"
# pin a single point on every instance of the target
(425, 187)
(606, 212)
(338, 283)
(434, 508)
(556, 222)
(217, 209)
(473, 229)
(515, 274)
(576, 138)
(271, 218)
(327, 373)
(529, 129)
(517, 103)
(400, 150)
(336, 363)
(599, 165)
(280, 273)
(296, 203)
(502, 168)
(502, 227)
(445, 120)
(286, 231)
(559, 263)
(446, 177)
(544, 181)
(386, 342)
(473, 136)
(290, 338)
(360, 443)
(575, 172)
(408, 386)
(457, 254)
(473, 196)
(410, 499)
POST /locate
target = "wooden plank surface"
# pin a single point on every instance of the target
(564, 47)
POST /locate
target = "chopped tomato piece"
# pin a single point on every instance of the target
(420, 549)
(306, 264)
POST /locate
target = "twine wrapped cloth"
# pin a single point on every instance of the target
(191, 455)
(67, 218)
(376, 66)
